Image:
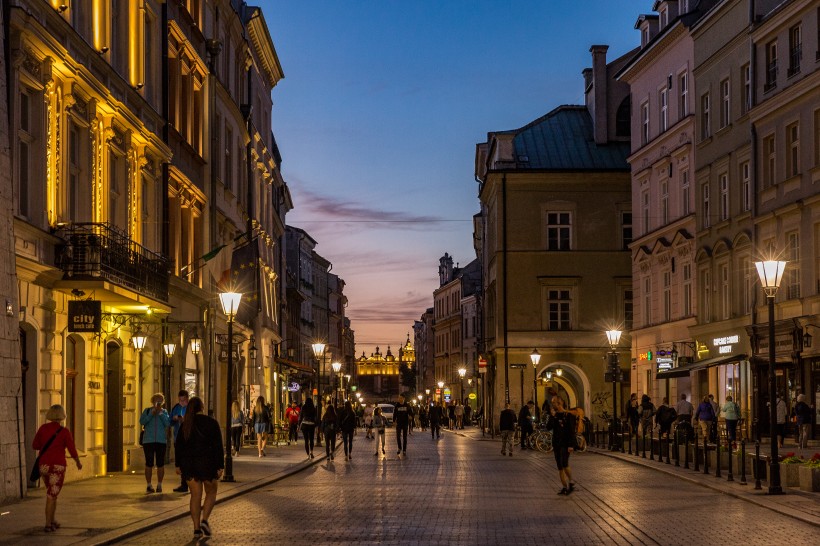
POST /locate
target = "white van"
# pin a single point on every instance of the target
(387, 412)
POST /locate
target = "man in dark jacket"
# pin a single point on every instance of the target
(525, 422)
(564, 428)
(507, 426)
(436, 416)
(402, 417)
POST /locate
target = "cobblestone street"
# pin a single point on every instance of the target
(462, 491)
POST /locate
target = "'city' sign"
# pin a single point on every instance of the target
(84, 316)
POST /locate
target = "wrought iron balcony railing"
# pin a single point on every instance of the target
(101, 251)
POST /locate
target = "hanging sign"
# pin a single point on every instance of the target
(84, 316)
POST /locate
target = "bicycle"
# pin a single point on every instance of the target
(541, 439)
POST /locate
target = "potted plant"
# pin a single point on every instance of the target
(809, 474)
(789, 469)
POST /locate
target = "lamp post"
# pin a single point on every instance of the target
(346, 385)
(337, 367)
(253, 352)
(613, 337)
(440, 390)
(319, 353)
(461, 373)
(427, 394)
(771, 273)
(535, 357)
(230, 305)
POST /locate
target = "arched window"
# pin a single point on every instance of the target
(72, 358)
(622, 116)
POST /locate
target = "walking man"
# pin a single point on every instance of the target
(507, 426)
(436, 415)
(402, 417)
(684, 409)
(177, 416)
(563, 428)
(525, 422)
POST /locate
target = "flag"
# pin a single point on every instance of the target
(218, 263)
(244, 278)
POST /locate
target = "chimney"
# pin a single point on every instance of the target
(599, 93)
(587, 73)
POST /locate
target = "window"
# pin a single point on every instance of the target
(795, 50)
(626, 230)
(687, 290)
(664, 103)
(647, 301)
(683, 95)
(228, 180)
(645, 122)
(558, 309)
(707, 296)
(116, 182)
(769, 161)
(25, 152)
(667, 296)
(645, 211)
(72, 359)
(559, 231)
(664, 202)
(706, 211)
(746, 185)
(628, 309)
(793, 256)
(73, 190)
(725, 104)
(705, 120)
(622, 118)
(793, 137)
(664, 17)
(746, 78)
(771, 66)
(725, 309)
(748, 286)
(723, 181)
(685, 199)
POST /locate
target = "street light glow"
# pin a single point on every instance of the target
(230, 303)
(770, 273)
(337, 367)
(613, 337)
(535, 356)
(318, 349)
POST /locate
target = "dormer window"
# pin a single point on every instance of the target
(645, 35)
(664, 13)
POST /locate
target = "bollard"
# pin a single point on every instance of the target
(743, 462)
(643, 442)
(706, 454)
(595, 436)
(676, 448)
(628, 428)
(697, 452)
(717, 459)
(757, 465)
(668, 461)
(623, 429)
(651, 444)
(730, 477)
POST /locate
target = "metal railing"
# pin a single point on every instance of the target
(101, 251)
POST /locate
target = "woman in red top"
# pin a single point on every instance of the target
(52, 461)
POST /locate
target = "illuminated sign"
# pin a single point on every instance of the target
(84, 316)
(725, 344)
(645, 356)
(664, 363)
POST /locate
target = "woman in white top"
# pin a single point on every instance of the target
(368, 420)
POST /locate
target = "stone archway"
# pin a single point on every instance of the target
(573, 381)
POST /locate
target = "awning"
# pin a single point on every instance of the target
(298, 366)
(683, 371)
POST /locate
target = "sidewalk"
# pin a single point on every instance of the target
(106, 509)
(801, 505)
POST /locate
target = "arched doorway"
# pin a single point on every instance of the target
(113, 406)
(30, 388)
(568, 380)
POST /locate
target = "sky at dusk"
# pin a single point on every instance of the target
(379, 113)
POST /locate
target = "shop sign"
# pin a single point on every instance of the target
(725, 345)
(482, 364)
(664, 363)
(471, 396)
(293, 387)
(447, 395)
(646, 355)
(84, 316)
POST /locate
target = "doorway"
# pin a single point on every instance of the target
(113, 406)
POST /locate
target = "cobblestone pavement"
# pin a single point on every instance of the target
(459, 491)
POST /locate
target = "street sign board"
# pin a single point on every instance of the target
(84, 316)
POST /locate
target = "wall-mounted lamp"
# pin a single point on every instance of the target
(138, 340)
(139, 86)
(9, 308)
(169, 348)
(253, 352)
(196, 345)
(62, 8)
(103, 50)
(559, 372)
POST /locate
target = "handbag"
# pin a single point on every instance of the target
(35, 472)
(142, 435)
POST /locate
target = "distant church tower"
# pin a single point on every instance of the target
(445, 269)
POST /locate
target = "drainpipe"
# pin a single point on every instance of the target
(504, 287)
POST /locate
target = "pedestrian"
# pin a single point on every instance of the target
(459, 412)
(379, 429)
(177, 416)
(632, 413)
(647, 411)
(782, 415)
(716, 411)
(563, 426)
(347, 424)
(451, 415)
(664, 418)
(307, 424)
(155, 422)
(52, 440)
(368, 421)
(704, 415)
(261, 422)
(411, 419)
(507, 426)
(802, 413)
(200, 461)
(402, 418)
(329, 425)
(237, 424)
(731, 413)
(468, 414)
(684, 409)
(525, 423)
(436, 416)
(292, 415)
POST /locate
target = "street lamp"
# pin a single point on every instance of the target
(319, 353)
(535, 357)
(346, 385)
(196, 345)
(613, 337)
(461, 373)
(440, 390)
(337, 367)
(230, 305)
(771, 273)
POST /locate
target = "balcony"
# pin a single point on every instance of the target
(100, 252)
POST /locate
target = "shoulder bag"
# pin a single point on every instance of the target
(35, 472)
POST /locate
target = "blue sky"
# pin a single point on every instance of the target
(379, 113)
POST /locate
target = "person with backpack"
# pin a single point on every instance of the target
(704, 415)
(564, 427)
(261, 422)
(155, 422)
(633, 413)
(731, 412)
(646, 411)
(802, 413)
(329, 426)
(664, 417)
(307, 424)
(379, 429)
(347, 424)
